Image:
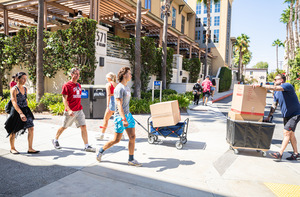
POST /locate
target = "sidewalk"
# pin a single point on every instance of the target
(221, 95)
(204, 167)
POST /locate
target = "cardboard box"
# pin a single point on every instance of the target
(249, 102)
(165, 113)
(236, 116)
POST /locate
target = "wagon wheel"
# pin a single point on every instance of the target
(155, 137)
(150, 139)
(236, 151)
(264, 153)
(183, 140)
(179, 145)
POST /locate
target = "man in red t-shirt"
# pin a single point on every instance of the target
(71, 92)
(206, 84)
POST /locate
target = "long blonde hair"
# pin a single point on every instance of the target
(112, 76)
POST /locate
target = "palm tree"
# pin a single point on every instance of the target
(277, 43)
(39, 57)
(296, 23)
(137, 68)
(242, 45)
(285, 16)
(291, 19)
(207, 3)
(164, 44)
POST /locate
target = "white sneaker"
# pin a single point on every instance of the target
(134, 163)
(99, 156)
(123, 137)
(100, 137)
(56, 144)
(90, 149)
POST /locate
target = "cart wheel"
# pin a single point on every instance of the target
(183, 140)
(230, 148)
(263, 153)
(179, 145)
(258, 151)
(155, 138)
(236, 151)
(151, 139)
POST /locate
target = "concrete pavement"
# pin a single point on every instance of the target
(204, 167)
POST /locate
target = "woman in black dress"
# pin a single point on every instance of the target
(20, 118)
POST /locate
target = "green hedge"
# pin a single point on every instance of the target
(225, 79)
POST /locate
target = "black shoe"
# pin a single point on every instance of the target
(276, 155)
(294, 157)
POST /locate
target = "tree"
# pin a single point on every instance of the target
(285, 16)
(246, 58)
(241, 45)
(166, 13)
(261, 65)
(137, 71)
(207, 3)
(291, 19)
(39, 57)
(277, 43)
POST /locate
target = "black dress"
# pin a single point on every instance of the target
(14, 124)
(197, 89)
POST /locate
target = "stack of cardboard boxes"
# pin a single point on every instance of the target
(248, 103)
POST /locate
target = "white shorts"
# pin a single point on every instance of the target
(78, 118)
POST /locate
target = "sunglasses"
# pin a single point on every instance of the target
(276, 79)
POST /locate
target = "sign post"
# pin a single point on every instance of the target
(157, 85)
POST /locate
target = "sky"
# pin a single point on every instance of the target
(260, 20)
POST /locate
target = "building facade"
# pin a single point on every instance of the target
(220, 25)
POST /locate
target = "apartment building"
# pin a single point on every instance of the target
(219, 43)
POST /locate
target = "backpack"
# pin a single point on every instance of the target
(8, 107)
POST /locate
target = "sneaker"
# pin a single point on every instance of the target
(123, 137)
(56, 144)
(99, 156)
(134, 163)
(90, 149)
(100, 137)
(294, 157)
(276, 155)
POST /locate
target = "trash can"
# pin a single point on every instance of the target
(93, 101)
(249, 135)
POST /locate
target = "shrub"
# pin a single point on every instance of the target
(225, 79)
(6, 93)
(50, 99)
(32, 104)
(57, 109)
(2, 104)
(31, 96)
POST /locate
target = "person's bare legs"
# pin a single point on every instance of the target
(30, 139)
(12, 138)
(294, 142)
(285, 141)
(59, 132)
(117, 139)
(107, 116)
(84, 134)
(131, 143)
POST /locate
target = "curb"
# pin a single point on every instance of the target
(218, 99)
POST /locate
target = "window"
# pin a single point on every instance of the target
(197, 35)
(251, 72)
(203, 36)
(182, 24)
(148, 4)
(198, 22)
(198, 8)
(217, 21)
(216, 36)
(205, 21)
(205, 8)
(217, 7)
(173, 17)
(162, 12)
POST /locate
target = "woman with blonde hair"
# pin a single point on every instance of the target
(110, 107)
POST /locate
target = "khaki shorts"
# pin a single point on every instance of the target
(78, 118)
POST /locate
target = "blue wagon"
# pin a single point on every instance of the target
(177, 131)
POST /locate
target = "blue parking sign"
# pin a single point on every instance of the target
(156, 83)
(84, 94)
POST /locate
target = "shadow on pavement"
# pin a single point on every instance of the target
(166, 163)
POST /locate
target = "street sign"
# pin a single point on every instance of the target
(157, 85)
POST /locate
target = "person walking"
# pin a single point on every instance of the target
(110, 100)
(71, 92)
(285, 96)
(123, 119)
(20, 118)
(213, 88)
(197, 89)
(13, 81)
(206, 84)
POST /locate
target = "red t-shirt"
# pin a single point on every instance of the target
(73, 91)
(12, 84)
(206, 84)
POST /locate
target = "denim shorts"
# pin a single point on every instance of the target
(112, 104)
(212, 89)
(119, 127)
